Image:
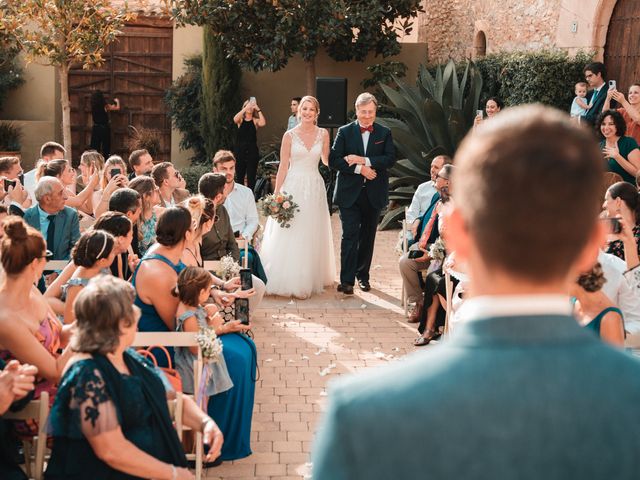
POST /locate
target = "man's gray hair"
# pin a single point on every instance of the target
(365, 98)
(45, 187)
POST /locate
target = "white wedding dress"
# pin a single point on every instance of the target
(299, 260)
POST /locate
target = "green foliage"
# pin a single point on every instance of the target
(430, 119)
(220, 96)
(192, 176)
(264, 35)
(385, 73)
(11, 72)
(10, 137)
(546, 77)
(183, 100)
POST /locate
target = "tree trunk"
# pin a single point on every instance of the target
(63, 71)
(310, 75)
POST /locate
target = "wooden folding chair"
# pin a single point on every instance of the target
(213, 266)
(448, 285)
(179, 339)
(38, 410)
(176, 407)
(243, 244)
(405, 249)
(56, 264)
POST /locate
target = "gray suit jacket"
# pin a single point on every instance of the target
(533, 397)
(66, 234)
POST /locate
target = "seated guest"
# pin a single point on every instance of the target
(170, 184)
(519, 369)
(57, 223)
(110, 417)
(92, 255)
(416, 260)
(157, 273)
(620, 290)
(128, 201)
(231, 387)
(61, 170)
(621, 152)
(623, 200)
(630, 109)
(424, 195)
(113, 177)
(151, 211)
(141, 163)
(16, 199)
(90, 161)
(118, 225)
(48, 151)
(594, 310)
(220, 241)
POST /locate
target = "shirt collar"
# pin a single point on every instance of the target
(490, 306)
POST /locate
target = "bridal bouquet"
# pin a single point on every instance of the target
(210, 345)
(280, 207)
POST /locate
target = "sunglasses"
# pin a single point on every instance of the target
(48, 254)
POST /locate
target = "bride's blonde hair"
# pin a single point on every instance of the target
(314, 101)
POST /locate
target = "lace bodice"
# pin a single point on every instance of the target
(302, 157)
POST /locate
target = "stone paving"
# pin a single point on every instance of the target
(304, 344)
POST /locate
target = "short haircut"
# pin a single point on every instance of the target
(92, 246)
(297, 99)
(447, 169)
(191, 281)
(7, 163)
(629, 195)
(618, 121)
(211, 185)
(500, 168)
(115, 223)
(159, 172)
(101, 309)
(20, 245)
(124, 200)
(596, 68)
(92, 157)
(447, 159)
(365, 98)
(134, 158)
(223, 156)
(45, 187)
(50, 148)
(173, 226)
(593, 280)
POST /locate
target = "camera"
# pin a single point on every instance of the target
(242, 310)
(246, 281)
(252, 100)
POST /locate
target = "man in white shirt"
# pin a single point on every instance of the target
(293, 118)
(240, 202)
(49, 151)
(424, 194)
(170, 183)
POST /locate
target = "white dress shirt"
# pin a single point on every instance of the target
(421, 201)
(620, 291)
(491, 306)
(241, 206)
(365, 141)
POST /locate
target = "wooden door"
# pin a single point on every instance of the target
(622, 49)
(137, 71)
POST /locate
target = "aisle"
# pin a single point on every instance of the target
(303, 344)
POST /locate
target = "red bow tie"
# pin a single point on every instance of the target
(366, 129)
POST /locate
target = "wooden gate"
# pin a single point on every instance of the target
(622, 49)
(137, 71)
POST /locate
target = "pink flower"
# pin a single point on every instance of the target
(286, 205)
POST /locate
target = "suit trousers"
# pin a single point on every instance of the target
(359, 225)
(410, 272)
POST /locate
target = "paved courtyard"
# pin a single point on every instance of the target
(303, 345)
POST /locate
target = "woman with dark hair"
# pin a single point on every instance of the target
(492, 106)
(119, 225)
(630, 109)
(594, 310)
(621, 152)
(157, 274)
(622, 201)
(110, 418)
(101, 131)
(248, 120)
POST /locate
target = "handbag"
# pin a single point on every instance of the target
(172, 375)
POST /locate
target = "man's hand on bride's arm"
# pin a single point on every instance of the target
(368, 172)
(354, 160)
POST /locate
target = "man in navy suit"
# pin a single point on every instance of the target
(595, 75)
(521, 390)
(362, 153)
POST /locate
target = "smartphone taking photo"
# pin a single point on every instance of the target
(612, 85)
(8, 183)
(246, 281)
(242, 310)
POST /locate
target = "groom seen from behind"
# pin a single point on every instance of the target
(362, 153)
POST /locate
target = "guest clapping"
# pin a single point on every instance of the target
(621, 153)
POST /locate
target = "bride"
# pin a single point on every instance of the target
(299, 260)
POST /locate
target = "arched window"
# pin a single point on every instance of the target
(480, 45)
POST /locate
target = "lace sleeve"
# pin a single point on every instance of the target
(94, 408)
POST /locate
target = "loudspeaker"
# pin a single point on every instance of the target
(332, 95)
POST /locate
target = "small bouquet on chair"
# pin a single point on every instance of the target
(280, 207)
(437, 253)
(210, 345)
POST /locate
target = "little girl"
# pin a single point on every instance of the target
(193, 289)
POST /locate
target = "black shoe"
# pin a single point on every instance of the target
(217, 462)
(364, 285)
(345, 288)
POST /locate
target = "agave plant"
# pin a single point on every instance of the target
(431, 118)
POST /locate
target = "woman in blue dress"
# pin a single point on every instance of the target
(111, 401)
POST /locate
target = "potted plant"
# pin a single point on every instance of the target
(10, 139)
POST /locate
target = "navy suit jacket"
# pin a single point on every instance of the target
(380, 151)
(532, 397)
(66, 234)
(596, 108)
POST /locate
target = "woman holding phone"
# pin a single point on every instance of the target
(248, 120)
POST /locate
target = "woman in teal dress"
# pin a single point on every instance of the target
(111, 401)
(621, 152)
